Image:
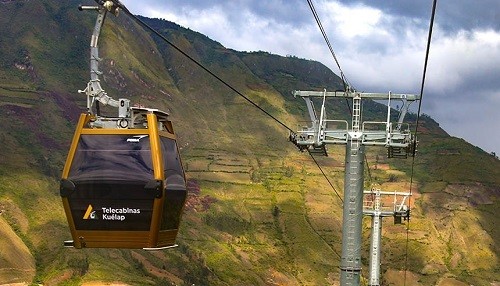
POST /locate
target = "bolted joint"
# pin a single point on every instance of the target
(111, 7)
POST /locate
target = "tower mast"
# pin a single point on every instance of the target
(396, 137)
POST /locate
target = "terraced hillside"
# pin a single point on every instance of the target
(259, 211)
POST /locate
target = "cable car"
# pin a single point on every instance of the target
(123, 185)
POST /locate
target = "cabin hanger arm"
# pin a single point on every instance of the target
(94, 90)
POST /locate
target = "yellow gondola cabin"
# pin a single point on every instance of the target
(123, 185)
(124, 188)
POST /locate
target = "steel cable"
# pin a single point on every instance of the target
(142, 23)
(429, 38)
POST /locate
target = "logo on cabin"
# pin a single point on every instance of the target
(90, 213)
(109, 213)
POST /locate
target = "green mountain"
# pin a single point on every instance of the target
(259, 211)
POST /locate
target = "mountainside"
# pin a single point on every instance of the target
(259, 211)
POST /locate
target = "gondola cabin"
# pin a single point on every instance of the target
(123, 185)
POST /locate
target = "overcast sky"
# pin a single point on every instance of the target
(380, 45)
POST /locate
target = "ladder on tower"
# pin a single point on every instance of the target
(356, 113)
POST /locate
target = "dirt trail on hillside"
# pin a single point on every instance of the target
(17, 263)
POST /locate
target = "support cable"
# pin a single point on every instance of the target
(429, 38)
(329, 182)
(142, 23)
(346, 83)
(318, 21)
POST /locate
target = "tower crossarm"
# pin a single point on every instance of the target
(368, 95)
(390, 203)
(320, 131)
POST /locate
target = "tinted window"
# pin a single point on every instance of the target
(174, 174)
(112, 157)
(175, 194)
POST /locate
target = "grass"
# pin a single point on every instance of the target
(242, 228)
(451, 160)
(16, 255)
(287, 201)
(247, 205)
(269, 214)
(19, 92)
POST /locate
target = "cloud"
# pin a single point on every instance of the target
(475, 119)
(452, 16)
(463, 87)
(468, 61)
(380, 45)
